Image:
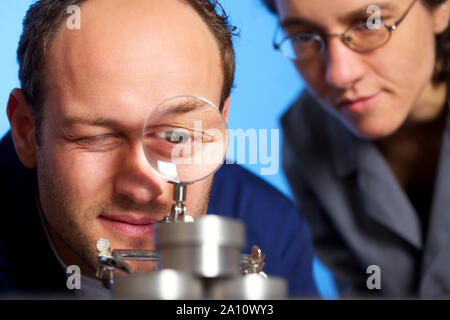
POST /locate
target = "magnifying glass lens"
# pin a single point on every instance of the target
(185, 139)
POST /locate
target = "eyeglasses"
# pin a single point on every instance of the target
(359, 37)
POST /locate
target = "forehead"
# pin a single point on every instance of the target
(133, 52)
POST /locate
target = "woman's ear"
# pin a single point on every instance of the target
(22, 124)
(441, 16)
(226, 109)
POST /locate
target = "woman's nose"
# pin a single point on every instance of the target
(344, 66)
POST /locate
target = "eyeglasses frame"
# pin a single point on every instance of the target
(343, 35)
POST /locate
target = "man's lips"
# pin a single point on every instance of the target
(360, 105)
(130, 225)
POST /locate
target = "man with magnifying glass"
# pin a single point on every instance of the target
(79, 173)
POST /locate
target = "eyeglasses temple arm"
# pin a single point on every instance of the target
(396, 24)
(276, 46)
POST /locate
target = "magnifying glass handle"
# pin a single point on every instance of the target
(178, 212)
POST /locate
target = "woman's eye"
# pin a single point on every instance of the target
(370, 23)
(304, 37)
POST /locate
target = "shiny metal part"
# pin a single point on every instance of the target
(248, 287)
(179, 191)
(104, 247)
(105, 268)
(200, 260)
(178, 211)
(136, 255)
(210, 247)
(162, 285)
(254, 263)
(108, 262)
(105, 272)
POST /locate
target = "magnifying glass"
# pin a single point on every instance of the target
(185, 140)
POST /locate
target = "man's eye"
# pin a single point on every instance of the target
(183, 136)
(95, 140)
(176, 136)
(173, 136)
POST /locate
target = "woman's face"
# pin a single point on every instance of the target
(372, 93)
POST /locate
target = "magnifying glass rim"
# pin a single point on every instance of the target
(226, 137)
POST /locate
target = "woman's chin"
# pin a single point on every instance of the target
(373, 130)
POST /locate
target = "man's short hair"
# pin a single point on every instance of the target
(442, 40)
(44, 19)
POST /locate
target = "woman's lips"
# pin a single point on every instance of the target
(361, 105)
(130, 226)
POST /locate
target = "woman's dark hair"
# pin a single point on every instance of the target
(442, 40)
(442, 46)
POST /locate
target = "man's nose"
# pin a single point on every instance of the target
(343, 66)
(136, 179)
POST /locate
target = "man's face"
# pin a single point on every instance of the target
(102, 82)
(372, 93)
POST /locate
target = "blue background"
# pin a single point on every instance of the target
(265, 85)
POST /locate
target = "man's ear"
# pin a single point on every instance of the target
(22, 124)
(226, 109)
(441, 16)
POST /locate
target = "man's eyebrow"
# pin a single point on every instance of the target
(358, 13)
(184, 107)
(180, 108)
(101, 122)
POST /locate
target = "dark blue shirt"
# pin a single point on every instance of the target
(272, 222)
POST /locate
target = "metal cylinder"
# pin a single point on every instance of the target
(209, 247)
(179, 192)
(161, 285)
(248, 287)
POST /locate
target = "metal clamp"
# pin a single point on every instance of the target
(254, 263)
(178, 211)
(111, 260)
